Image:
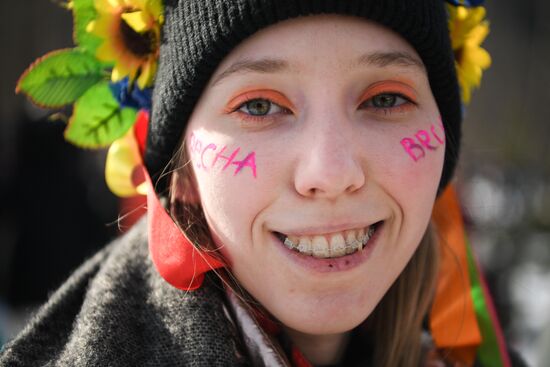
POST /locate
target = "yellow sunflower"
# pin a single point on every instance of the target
(130, 30)
(468, 30)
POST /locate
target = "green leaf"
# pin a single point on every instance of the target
(98, 119)
(60, 77)
(83, 13)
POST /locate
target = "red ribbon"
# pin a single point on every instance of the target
(179, 262)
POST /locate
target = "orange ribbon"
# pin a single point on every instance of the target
(453, 320)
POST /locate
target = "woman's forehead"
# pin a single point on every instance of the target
(303, 43)
(281, 65)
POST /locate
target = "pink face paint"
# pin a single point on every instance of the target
(409, 145)
(440, 140)
(209, 146)
(193, 144)
(201, 157)
(249, 161)
(417, 146)
(424, 138)
(198, 147)
(228, 159)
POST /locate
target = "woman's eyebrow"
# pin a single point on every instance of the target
(273, 65)
(384, 59)
(267, 65)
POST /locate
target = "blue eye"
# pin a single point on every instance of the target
(260, 107)
(385, 100)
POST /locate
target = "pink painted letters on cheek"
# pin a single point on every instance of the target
(210, 153)
(208, 147)
(440, 140)
(249, 161)
(229, 159)
(422, 141)
(424, 137)
(413, 149)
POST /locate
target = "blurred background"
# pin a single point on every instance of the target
(56, 209)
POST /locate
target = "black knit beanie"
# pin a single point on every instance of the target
(198, 34)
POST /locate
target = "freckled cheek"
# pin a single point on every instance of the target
(234, 189)
(228, 213)
(422, 153)
(407, 178)
(227, 194)
(425, 173)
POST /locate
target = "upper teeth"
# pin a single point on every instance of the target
(331, 245)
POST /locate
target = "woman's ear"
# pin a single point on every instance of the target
(184, 187)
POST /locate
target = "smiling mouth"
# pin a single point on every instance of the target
(331, 245)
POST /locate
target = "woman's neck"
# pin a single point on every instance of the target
(320, 349)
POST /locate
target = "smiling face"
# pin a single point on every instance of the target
(317, 150)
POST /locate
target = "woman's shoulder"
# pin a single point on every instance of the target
(116, 310)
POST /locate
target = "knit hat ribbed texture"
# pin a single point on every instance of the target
(198, 34)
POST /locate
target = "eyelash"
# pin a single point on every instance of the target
(405, 105)
(248, 117)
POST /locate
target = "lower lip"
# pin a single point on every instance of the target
(337, 264)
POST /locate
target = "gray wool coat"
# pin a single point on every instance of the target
(115, 310)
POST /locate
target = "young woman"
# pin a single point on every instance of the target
(302, 146)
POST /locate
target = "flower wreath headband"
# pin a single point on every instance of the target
(109, 77)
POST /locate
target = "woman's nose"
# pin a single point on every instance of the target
(329, 165)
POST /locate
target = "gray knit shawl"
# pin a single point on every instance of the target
(115, 310)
